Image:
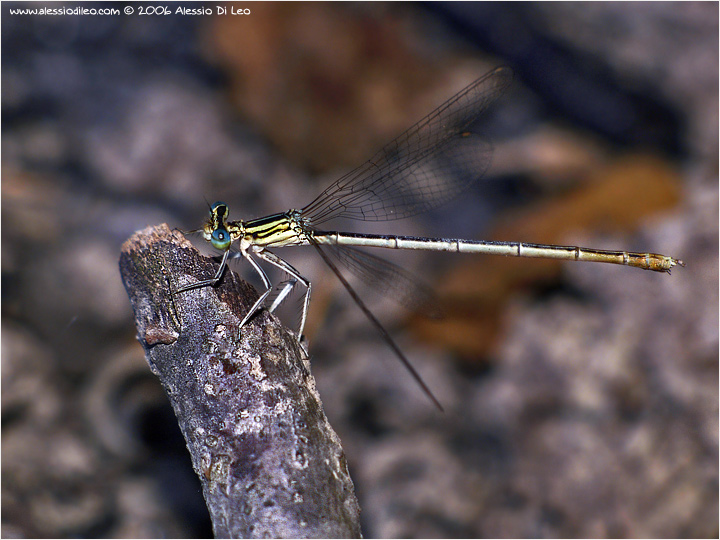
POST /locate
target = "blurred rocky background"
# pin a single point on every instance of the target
(581, 400)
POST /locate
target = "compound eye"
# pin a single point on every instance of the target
(220, 210)
(220, 239)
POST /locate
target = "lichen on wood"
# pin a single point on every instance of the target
(269, 462)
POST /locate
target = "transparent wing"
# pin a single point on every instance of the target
(425, 167)
(386, 279)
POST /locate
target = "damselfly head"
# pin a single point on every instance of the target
(215, 228)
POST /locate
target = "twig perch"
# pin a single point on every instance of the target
(269, 462)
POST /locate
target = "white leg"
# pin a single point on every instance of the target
(287, 267)
(268, 288)
(287, 287)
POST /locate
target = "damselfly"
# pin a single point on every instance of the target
(432, 162)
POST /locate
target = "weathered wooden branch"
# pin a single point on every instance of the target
(269, 462)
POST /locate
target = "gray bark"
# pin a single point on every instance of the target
(269, 462)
